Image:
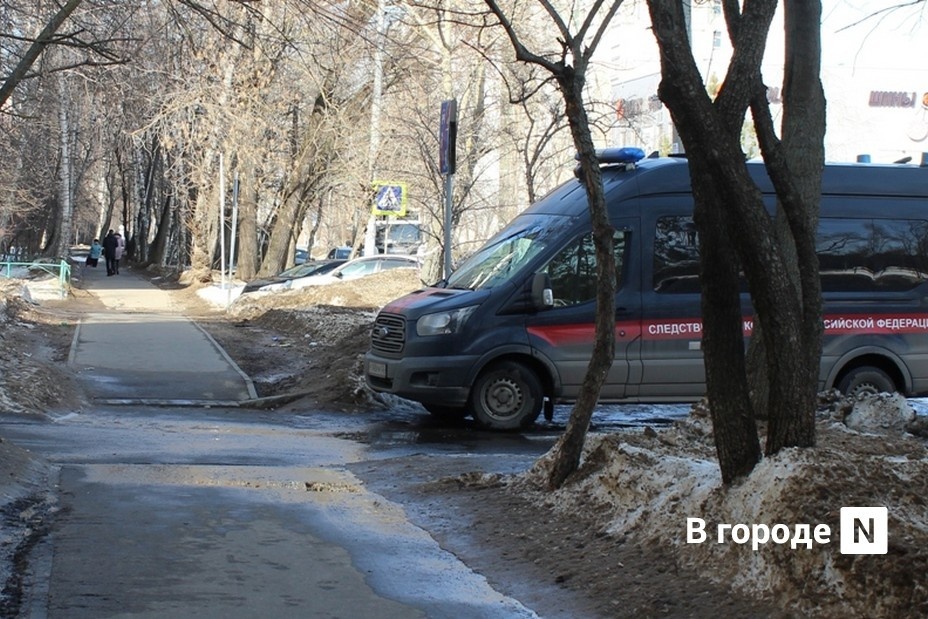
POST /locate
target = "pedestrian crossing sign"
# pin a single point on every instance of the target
(389, 198)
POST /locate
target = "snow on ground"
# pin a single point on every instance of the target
(646, 485)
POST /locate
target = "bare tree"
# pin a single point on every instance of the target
(50, 79)
(735, 228)
(568, 67)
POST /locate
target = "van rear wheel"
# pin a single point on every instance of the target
(506, 396)
(866, 380)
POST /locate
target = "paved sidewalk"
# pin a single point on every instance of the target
(142, 350)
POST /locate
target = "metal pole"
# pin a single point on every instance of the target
(449, 184)
(222, 227)
(370, 234)
(234, 232)
(64, 274)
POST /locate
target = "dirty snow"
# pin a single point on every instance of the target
(646, 485)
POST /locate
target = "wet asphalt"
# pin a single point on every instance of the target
(172, 499)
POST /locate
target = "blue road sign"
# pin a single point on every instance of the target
(389, 198)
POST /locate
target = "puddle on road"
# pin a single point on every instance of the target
(404, 427)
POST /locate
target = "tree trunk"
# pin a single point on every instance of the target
(158, 249)
(731, 219)
(569, 447)
(317, 221)
(65, 165)
(733, 424)
(787, 309)
(248, 244)
(151, 178)
(279, 241)
(796, 170)
(203, 225)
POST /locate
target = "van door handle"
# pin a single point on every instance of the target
(621, 311)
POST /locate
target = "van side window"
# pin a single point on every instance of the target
(868, 255)
(676, 255)
(855, 255)
(573, 270)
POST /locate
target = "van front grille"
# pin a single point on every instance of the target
(389, 334)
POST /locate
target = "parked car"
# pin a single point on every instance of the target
(354, 269)
(300, 256)
(282, 279)
(339, 253)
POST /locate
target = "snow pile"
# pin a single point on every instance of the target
(370, 292)
(645, 486)
(885, 413)
(220, 296)
(321, 325)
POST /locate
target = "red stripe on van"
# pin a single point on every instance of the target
(691, 328)
(566, 335)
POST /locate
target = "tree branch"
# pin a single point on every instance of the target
(41, 42)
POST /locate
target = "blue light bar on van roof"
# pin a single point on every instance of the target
(629, 154)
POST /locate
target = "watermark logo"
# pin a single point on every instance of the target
(864, 530)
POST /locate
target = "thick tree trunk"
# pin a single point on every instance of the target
(796, 170)
(731, 220)
(150, 177)
(317, 221)
(203, 222)
(787, 309)
(279, 241)
(158, 249)
(733, 424)
(247, 243)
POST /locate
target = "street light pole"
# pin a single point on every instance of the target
(370, 236)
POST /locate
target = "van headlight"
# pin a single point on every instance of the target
(443, 323)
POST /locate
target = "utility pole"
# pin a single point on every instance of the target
(448, 134)
(370, 236)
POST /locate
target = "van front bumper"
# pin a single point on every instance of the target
(430, 380)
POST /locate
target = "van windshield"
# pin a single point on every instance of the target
(507, 253)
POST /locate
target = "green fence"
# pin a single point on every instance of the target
(61, 269)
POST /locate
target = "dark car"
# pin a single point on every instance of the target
(339, 253)
(313, 267)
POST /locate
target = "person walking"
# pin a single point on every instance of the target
(120, 250)
(110, 243)
(96, 250)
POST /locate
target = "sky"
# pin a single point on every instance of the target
(874, 70)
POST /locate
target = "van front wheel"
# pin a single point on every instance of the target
(506, 396)
(866, 380)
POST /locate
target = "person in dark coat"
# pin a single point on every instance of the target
(110, 243)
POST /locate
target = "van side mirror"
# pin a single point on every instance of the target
(542, 295)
